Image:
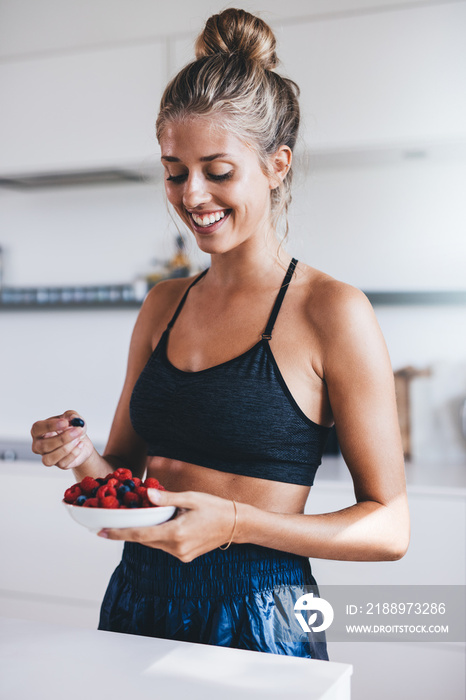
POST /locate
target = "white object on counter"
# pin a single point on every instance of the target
(52, 662)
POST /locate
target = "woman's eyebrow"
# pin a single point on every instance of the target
(204, 159)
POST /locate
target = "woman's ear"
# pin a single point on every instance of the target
(280, 163)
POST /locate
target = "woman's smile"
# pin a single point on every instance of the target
(210, 221)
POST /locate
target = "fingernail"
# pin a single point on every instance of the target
(154, 495)
(102, 533)
(77, 422)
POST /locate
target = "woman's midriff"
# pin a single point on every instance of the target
(268, 495)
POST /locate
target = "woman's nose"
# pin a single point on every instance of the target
(195, 192)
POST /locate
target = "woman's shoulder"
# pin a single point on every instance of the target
(332, 306)
(158, 308)
(163, 298)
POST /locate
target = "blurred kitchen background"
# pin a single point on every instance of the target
(379, 202)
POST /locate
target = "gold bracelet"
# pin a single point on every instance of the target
(233, 531)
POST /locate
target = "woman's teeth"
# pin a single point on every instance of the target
(208, 219)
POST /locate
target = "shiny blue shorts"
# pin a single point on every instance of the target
(242, 597)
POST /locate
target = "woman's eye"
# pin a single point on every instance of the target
(223, 176)
(177, 179)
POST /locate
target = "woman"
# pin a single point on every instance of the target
(234, 379)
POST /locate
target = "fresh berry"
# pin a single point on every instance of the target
(106, 491)
(142, 493)
(109, 502)
(88, 484)
(118, 489)
(132, 500)
(122, 474)
(122, 490)
(151, 483)
(72, 493)
(91, 503)
(77, 422)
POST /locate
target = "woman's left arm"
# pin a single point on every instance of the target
(359, 378)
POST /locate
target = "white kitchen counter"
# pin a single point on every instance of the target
(50, 662)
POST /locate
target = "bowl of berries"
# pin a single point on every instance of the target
(117, 500)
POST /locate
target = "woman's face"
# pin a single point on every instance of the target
(216, 184)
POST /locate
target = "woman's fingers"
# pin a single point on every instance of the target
(56, 424)
(57, 441)
(63, 456)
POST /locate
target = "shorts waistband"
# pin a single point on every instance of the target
(238, 570)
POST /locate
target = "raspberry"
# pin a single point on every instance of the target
(122, 474)
(109, 502)
(113, 482)
(132, 500)
(151, 483)
(73, 493)
(106, 491)
(136, 481)
(88, 484)
(91, 503)
(142, 493)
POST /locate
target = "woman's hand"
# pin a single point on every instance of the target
(202, 523)
(61, 444)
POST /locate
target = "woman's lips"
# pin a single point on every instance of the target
(199, 220)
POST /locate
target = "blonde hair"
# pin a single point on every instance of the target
(234, 78)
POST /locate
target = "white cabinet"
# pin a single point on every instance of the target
(87, 109)
(380, 78)
(437, 549)
(52, 569)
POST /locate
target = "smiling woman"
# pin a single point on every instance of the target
(234, 379)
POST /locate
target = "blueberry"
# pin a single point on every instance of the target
(77, 422)
(80, 500)
(101, 481)
(130, 483)
(94, 492)
(122, 490)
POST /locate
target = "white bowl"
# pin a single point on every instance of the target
(97, 518)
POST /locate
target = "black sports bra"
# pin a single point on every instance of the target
(237, 417)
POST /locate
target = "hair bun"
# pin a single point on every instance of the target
(238, 32)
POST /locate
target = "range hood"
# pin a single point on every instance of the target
(72, 178)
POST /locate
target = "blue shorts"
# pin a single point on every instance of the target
(242, 597)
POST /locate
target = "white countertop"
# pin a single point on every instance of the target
(51, 662)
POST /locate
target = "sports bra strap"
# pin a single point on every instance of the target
(278, 302)
(183, 299)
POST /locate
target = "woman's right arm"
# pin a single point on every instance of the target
(68, 447)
